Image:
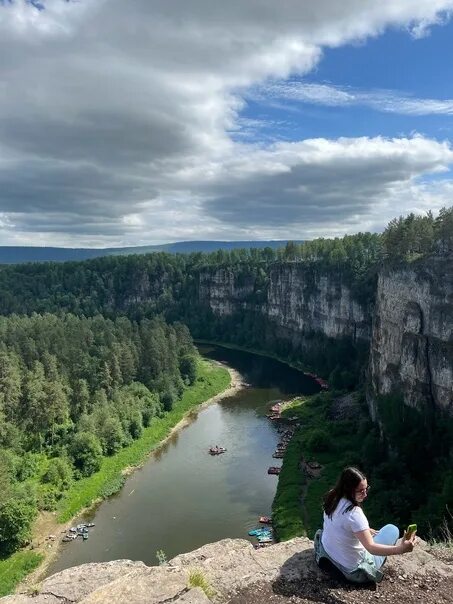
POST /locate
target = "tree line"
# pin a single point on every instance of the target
(143, 286)
(149, 284)
(415, 236)
(72, 390)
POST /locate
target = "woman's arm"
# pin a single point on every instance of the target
(365, 538)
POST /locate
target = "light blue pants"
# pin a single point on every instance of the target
(388, 535)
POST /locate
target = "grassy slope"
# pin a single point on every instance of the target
(297, 503)
(211, 381)
(14, 568)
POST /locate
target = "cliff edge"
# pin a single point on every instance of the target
(231, 571)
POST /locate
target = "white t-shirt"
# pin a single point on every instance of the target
(338, 537)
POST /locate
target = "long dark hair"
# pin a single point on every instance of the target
(348, 482)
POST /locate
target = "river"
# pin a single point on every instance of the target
(182, 497)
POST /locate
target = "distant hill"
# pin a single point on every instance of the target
(18, 254)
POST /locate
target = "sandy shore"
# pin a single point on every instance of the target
(47, 532)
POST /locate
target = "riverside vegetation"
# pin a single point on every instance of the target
(109, 355)
(396, 466)
(82, 399)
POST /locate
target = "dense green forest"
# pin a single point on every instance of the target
(15, 254)
(143, 286)
(73, 390)
(147, 284)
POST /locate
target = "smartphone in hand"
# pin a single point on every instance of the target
(411, 529)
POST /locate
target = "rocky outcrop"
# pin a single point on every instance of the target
(227, 568)
(412, 339)
(303, 301)
(295, 298)
(409, 327)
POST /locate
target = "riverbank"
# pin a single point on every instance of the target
(327, 439)
(214, 383)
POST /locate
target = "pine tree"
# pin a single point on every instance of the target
(10, 386)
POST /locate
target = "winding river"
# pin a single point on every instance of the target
(182, 497)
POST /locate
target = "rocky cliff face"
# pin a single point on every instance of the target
(295, 299)
(409, 328)
(412, 338)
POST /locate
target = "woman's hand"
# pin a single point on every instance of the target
(407, 545)
(378, 549)
(373, 532)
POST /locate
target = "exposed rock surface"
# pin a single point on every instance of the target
(236, 573)
(297, 299)
(306, 301)
(412, 342)
(408, 326)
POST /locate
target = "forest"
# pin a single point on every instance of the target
(72, 390)
(118, 284)
(144, 286)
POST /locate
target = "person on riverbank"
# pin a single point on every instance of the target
(347, 540)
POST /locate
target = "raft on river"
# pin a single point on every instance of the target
(81, 530)
(216, 450)
(262, 530)
(274, 470)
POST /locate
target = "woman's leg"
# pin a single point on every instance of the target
(388, 535)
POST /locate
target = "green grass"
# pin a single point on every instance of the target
(197, 579)
(211, 380)
(286, 507)
(14, 568)
(293, 517)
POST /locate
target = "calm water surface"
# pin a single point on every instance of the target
(183, 498)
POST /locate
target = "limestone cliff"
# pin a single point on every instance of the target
(408, 327)
(297, 299)
(299, 310)
(412, 338)
(231, 570)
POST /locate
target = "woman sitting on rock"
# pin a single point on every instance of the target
(347, 539)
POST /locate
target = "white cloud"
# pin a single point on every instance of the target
(319, 185)
(334, 96)
(115, 119)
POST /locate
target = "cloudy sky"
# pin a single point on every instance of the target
(148, 121)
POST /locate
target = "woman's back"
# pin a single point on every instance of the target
(338, 537)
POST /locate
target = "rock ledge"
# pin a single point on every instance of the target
(236, 572)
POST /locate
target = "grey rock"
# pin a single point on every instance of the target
(297, 303)
(228, 566)
(39, 599)
(73, 584)
(150, 585)
(412, 342)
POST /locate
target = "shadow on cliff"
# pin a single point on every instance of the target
(300, 576)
